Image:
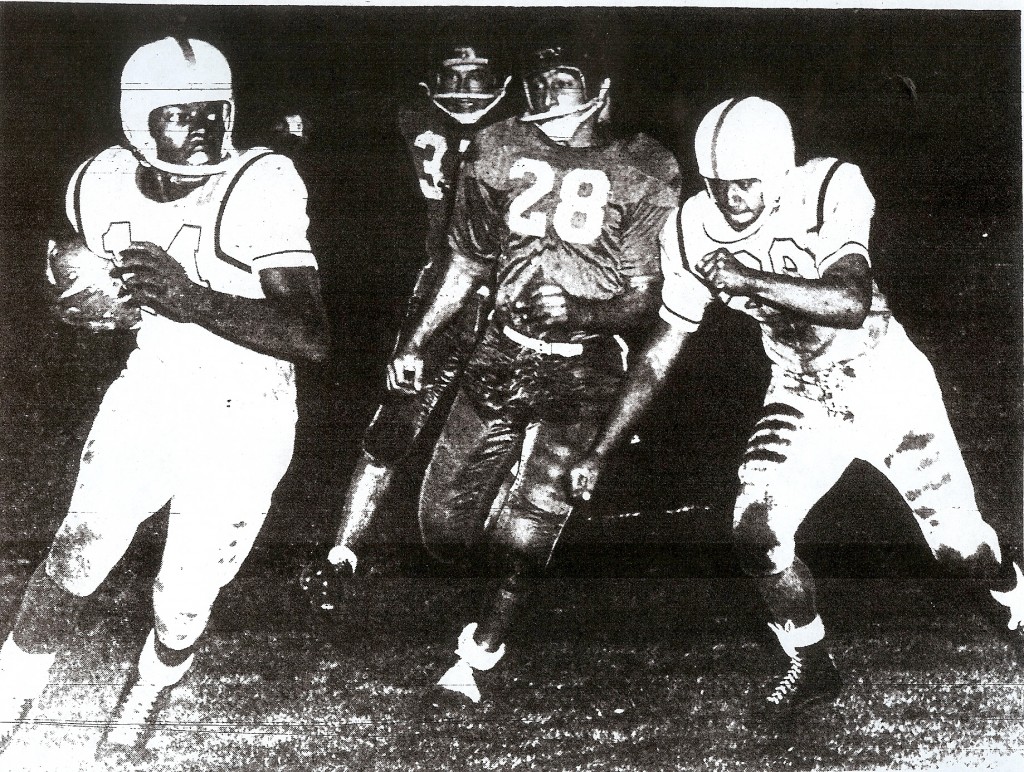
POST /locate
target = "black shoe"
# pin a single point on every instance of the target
(812, 678)
(324, 584)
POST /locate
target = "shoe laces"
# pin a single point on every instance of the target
(788, 682)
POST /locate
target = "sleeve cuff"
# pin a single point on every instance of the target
(849, 248)
(297, 259)
(677, 320)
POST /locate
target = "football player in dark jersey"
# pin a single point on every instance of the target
(462, 95)
(563, 219)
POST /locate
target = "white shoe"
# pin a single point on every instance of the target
(472, 656)
(459, 678)
(23, 677)
(133, 718)
(1014, 601)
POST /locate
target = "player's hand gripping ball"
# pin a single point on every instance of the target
(87, 293)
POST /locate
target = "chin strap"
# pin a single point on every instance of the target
(181, 170)
(561, 123)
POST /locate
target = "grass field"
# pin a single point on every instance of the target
(645, 647)
(612, 673)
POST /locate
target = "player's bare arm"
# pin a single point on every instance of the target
(289, 323)
(462, 278)
(549, 306)
(646, 378)
(840, 298)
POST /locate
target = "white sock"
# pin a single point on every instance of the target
(154, 671)
(792, 638)
(24, 672)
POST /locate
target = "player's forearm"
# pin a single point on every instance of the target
(820, 301)
(647, 376)
(627, 311)
(461, 279)
(273, 327)
(840, 298)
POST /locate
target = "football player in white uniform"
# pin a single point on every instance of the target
(211, 245)
(788, 245)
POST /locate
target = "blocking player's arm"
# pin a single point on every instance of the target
(646, 378)
(289, 322)
(473, 238)
(462, 278)
(548, 306)
(840, 298)
(684, 300)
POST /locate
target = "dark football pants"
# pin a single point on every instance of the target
(400, 419)
(472, 459)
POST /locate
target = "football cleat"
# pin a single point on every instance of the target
(322, 583)
(23, 677)
(812, 678)
(460, 677)
(133, 721)
(1014, 601)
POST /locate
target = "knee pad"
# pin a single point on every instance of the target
(515, 568)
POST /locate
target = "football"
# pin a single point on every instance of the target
(87, 294)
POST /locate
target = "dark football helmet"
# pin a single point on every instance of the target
(557, 118)
(466, 79)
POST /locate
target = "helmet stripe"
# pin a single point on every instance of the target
(821, 195)
(717, 131)
(186, 50)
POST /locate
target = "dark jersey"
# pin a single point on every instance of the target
(436, 145)
(586, 219)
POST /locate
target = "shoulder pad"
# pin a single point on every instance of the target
(654, 159)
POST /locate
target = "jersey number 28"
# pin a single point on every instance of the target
(579, 214)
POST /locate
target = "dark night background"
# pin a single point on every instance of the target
(926, 102)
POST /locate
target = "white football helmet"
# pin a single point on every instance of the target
(743, 139)
(174, 71)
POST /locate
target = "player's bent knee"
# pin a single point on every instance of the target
(515, 567)
(760, 551)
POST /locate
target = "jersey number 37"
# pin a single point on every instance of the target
(579, 214)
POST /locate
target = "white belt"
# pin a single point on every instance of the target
(543, 346)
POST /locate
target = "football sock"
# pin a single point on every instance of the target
(47, 616)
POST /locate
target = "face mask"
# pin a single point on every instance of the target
(561, 124)
(472, 117)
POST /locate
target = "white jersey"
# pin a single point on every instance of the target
(223, 234)
(823, 213)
